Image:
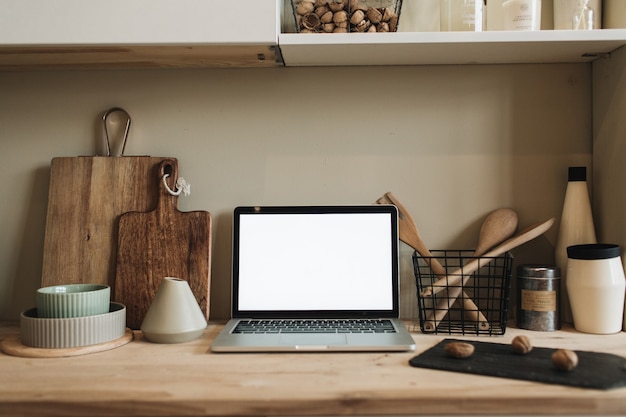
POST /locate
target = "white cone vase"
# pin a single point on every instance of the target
(174, 315)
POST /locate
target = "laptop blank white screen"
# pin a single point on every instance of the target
(315, 262)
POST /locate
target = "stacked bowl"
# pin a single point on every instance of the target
(73, 315)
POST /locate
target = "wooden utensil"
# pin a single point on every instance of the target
(463, 273)
(499, 225)
(409, 234)
(86, 196)
(162, 243)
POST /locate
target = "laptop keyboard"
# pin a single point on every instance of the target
(315, 326)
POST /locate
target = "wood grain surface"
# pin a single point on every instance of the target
(186, 379)
(13, 346)
(164, 242)
(139, 56)
(87, 195)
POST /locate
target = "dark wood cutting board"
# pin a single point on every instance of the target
(162, 243)
(595, 370)
(87, 195)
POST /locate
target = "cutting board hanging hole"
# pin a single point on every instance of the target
(180, 185)
(167, 170)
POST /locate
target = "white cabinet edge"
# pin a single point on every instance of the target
(541, 36)
(139, 22)
(418, 48)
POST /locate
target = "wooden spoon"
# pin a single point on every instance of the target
(409, 234)
(522, 237)
(464, 272)
(499, 225)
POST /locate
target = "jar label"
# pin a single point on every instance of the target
(538, 300)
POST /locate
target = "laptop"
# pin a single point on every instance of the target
(315, 278)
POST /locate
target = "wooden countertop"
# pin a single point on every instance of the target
(146, 379)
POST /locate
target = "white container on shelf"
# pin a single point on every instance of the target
(521, 14)
(577, 14)
(420, 16)
(462, 15)
(596, 285)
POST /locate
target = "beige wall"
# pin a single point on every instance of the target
(451, 142)
(609, 147)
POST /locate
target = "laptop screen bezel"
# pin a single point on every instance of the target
(394, 247)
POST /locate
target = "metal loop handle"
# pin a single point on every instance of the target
(105, 119)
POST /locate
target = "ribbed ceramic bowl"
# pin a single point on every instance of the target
(74, 331)
(72, 300)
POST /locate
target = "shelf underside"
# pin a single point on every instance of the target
(138, 56)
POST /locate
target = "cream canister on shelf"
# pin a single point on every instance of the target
(614, 14)
(596, 287)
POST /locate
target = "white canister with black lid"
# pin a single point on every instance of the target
(596, 287)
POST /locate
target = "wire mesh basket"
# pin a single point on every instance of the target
(346, 16)
(473, 298)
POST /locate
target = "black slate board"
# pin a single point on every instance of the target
(595, 370)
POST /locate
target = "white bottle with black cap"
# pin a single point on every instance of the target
(576, 228)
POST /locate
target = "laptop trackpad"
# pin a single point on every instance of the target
(312, 339)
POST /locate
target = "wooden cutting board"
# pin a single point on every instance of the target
(162, 243)
(87, 195)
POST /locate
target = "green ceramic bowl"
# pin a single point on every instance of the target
(72, 332)
(72, 300)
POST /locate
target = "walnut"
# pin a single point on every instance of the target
(311, 21)
(521, 345)
(565, 360)
(357, 17)
(328, 27)
(389, 13)
(322, 10)
(374, 15)
(382, 27)
(459, 350)
(304, 8)
(362, 26)
(340, 17)
(335, 6)
(327, 17)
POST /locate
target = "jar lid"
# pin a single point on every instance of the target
(577, 174)
(592, 251)
(538, 271)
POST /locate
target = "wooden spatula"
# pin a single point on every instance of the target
(162, 243)
(409, 234)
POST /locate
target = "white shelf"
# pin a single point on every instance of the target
(420, 48)
(138, 33)
(246, 33)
